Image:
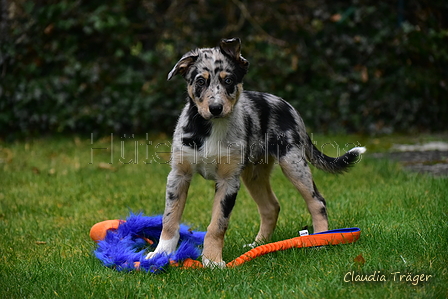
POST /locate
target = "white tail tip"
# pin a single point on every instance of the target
(358, 150)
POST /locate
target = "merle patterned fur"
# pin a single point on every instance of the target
(225, 133)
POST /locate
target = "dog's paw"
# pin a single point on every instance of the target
(251, 245)
(150, 255)
(213, 265)
(165, 246)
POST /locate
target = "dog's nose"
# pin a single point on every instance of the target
(215, 109)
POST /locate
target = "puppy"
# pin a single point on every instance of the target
(225, 133)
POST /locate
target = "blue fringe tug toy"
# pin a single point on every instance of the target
(123, 247)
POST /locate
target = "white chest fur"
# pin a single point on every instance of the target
(220, 147)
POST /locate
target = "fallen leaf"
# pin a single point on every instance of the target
(77, 141)
(8, 155)
(359, 260)
(106, 166)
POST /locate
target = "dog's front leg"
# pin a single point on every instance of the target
(225, 196)
(176, 195)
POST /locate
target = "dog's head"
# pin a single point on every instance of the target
(214, 77)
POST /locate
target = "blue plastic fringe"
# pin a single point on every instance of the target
(123, 247)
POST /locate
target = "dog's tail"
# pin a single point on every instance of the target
(329, 164)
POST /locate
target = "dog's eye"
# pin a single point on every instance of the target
(200, 82)
(228, 81)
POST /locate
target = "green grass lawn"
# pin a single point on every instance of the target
(50, 196)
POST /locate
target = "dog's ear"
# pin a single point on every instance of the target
(232, 48)
(183, 64)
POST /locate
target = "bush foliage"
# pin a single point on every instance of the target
(88, 66)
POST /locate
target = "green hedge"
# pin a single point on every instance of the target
(92, 66)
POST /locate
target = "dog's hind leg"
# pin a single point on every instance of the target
(299, 173)
(256, 179)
